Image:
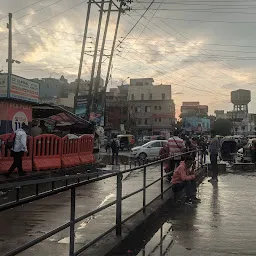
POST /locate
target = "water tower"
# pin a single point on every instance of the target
(241, 99)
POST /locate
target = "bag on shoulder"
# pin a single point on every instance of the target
(10, 141)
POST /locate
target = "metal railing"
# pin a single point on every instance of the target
(73, 188)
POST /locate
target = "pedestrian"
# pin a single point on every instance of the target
(214, 150)
(176, 147)
(203, 147)
(185, 178)
(163, 154)
(18, 150)
(35, 130)
(43, 127)
(115, 149)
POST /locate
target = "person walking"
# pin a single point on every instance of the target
(214, 150)
(115, 150)
(18, 150)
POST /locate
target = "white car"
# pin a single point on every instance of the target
(149, 150)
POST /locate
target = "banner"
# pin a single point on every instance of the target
(21, 88)
(81, 106)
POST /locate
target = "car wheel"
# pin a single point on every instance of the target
(142, 156)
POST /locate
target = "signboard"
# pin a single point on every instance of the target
(19, 113)
(21, 88)
(196, 124)
(3, 86)
(81, 106)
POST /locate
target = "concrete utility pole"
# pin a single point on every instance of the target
(90, 99)
(97, 82)
(120, 10)
(9, 80)
(82, 53)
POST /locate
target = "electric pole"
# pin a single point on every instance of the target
(120, 10)
(9, 80)
(82, 53)
(97, 82)
(90, 99)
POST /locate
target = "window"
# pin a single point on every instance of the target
(160, 120)
(156, 120)
(146, 83)
(150, 96)
(155, 107)
(147, 121)
(163, 96)
(142, 96)
(132, 97)
(156, 144)
(137, 109)
(147, 109)
(138, 121)
(159, 107)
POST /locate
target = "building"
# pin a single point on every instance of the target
(190, 109)
(220, 114)
(116, 112)
(195, 117)
(83, 88)
(150, 107)
(51, 88)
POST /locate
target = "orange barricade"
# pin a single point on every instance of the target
(5, 155)
(86, 149)
(70, 151)
(47, 152)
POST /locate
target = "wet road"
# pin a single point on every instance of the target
(25, 223)
(223, 224)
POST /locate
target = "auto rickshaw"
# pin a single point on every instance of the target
(228, 149)
(126, 141)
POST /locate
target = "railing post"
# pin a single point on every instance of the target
(144, 187)
(119, 178)
(72, 222)
(162, 179)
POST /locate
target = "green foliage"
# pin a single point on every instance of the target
(222, 127)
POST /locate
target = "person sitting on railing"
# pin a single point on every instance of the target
(184, 177)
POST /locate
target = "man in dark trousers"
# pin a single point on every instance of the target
(115, 148)
(18, 150)
(214, 150)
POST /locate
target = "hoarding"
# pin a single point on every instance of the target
(21, 88)
(196, 124)
(81, 106)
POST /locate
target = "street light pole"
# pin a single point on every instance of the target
(9, 80)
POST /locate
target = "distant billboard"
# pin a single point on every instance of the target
(196, 124)
(81, 106)
(20, 88)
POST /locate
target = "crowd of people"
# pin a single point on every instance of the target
(180, 165)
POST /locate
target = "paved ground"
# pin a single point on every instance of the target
(25, 223)
(223, 224)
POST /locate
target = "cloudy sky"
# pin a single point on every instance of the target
(203, 48)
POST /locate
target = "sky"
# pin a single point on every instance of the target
(204, 49)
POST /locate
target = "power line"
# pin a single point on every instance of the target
(22, 9)
(137, 22)
(38, 10)
(74, 6)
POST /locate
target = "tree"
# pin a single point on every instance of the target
(222, 127)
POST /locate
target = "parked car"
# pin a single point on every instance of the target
(149, 150)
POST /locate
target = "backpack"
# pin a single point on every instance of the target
(9, 144)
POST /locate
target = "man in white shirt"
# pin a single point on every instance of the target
(18, 150)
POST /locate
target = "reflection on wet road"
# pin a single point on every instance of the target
(223, 224)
